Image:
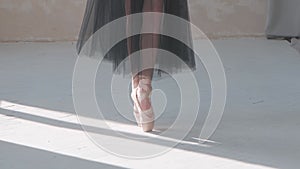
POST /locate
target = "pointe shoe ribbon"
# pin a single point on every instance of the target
(136, 112)
(143, 91)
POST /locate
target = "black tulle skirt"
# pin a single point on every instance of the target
(100, 12)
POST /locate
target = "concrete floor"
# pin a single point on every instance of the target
(259, 129)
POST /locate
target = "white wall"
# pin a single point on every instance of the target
(60, 20)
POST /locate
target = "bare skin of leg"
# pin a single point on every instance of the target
(135, 78)
(150, 41)
(147, 41)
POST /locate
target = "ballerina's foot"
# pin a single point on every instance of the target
(143, 111)
(145, 107)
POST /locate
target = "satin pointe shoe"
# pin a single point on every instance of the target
(141, 92)
(136, 113)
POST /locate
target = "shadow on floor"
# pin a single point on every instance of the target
(19, 157)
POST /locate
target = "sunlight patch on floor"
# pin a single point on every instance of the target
(75, 143)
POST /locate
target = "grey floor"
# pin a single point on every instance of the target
(259, 128)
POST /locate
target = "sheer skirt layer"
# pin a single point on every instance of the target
(101, 12)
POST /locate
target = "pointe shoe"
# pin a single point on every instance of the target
(141, 92)
(136, 113)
